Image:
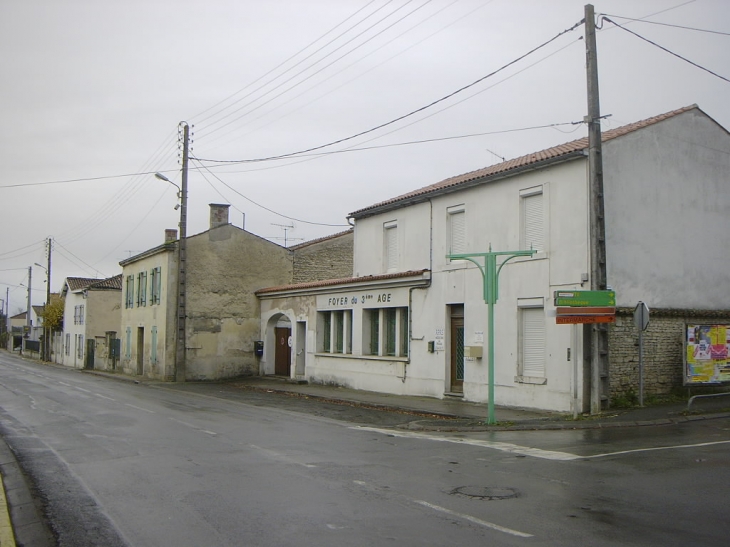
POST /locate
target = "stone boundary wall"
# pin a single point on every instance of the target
(328, 258)
(663, 349)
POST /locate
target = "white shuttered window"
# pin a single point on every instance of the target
(533, 229)
(533, 342)
(391, 246)
(457, 232)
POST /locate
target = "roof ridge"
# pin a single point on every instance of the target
(320, 239)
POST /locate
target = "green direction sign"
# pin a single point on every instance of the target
(585, 298)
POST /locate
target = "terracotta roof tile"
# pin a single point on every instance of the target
(78, 283)
(552, 153)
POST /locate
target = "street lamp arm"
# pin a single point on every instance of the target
(163, 177)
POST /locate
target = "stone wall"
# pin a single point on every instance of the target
(326, 258)
(663, 349)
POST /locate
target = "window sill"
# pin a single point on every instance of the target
(531, 380)
(365, 357)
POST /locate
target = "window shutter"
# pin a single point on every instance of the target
(533, 222)
(533, 342)
(391, 252)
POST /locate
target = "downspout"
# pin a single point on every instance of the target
(422, 287)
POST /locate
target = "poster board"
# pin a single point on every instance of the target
(707, 354)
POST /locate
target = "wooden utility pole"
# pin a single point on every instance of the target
(180, 349)
(598, 332)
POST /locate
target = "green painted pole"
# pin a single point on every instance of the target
(491, 420)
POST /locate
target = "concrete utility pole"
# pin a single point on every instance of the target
(598, 332)
(180, 350)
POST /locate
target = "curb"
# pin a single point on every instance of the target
(7, 538)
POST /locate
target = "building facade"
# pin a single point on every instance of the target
(412, 321)
(225, 265)
(91, 319)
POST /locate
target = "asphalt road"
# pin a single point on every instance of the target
(116, 463)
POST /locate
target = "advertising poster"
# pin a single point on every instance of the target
(707, 355)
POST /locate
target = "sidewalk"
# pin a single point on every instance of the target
(455, 414)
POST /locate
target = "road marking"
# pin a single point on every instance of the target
(281, 457)
(140, 408)
(474, 520)
(464, 516)
(655, 448)
(65, 384)
(193, 426)
(104, 397)
(82, 389)
(504, 447)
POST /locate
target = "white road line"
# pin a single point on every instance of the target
(65, 384)
(675, 447)
(82, 389)
(104, 397)
(504, 447)
(140, 408)
(474, 520)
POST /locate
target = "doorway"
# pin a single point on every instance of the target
(282, 357)
(457, 348)
(140, 351)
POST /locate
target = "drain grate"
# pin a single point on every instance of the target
(486, 492)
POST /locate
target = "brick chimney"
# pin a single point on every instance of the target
(170, 235)
(218, 215)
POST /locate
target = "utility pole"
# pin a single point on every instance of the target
(598, 332)
(29, 310)
(46, 327)
(180, 350)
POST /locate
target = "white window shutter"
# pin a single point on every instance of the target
(458, 232)
(533, 228)
(533, 342)
(391, 251)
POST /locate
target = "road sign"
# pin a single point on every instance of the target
(641, 316)
(577, 319)
(587, 310)
(585, 298)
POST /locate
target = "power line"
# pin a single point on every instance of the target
(421, 109)
(266, 208)
(668, 25)
(667, 50)
(316, 63)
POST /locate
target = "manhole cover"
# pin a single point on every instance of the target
(486, 492)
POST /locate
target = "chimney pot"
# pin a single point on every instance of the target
(218, 214)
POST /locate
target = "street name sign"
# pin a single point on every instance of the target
(586, 310)
(583, 319)
(584, 298)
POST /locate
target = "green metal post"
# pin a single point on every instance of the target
(490, 278)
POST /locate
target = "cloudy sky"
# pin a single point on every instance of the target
(93, 91)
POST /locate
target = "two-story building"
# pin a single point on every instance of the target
(225, 265)
(411, 321)
(91, 319)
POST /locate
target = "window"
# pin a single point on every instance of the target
(390, 246)
(155, 285)
(386, 330)
(532, 229)
(153, 349)
(532, 344)
(80, 346)
(129, 293)
(457, 229)
(335, 331)
(128, 344)
(79, 315)
(142, 289)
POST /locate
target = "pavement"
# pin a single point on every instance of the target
(22, 525)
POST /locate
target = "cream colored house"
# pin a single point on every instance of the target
(91, 319)
(225, 266)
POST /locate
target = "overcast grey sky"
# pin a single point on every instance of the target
(94, 89)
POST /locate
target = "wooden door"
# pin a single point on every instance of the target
(457, 354)
(282, 358)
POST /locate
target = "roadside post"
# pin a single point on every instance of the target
(641, 320)
(582, 308)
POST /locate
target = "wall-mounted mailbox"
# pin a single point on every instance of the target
(258, 348)
(431, 346)
(473, 351)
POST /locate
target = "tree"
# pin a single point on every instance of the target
(52, 314)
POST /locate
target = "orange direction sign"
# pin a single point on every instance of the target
(587, 310)
(575, 319)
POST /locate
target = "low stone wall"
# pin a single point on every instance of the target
(663, 349)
